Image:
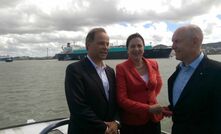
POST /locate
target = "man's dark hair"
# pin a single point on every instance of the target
(91, 34)
(132, 36)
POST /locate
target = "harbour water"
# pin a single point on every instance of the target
(34, 89)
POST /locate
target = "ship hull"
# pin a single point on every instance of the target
(151, 53)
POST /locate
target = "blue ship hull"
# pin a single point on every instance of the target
(150, 53)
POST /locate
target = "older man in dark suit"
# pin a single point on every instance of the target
(90, 89)
(194, 88)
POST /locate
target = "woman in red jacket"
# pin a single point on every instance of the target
(138, 84)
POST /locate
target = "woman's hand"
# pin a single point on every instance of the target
(155, 109)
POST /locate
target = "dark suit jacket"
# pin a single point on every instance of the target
(198, 110)
(87, 102)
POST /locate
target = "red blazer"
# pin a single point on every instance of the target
(134, 95)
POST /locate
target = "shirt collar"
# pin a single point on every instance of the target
(103, 65)
(195, 63)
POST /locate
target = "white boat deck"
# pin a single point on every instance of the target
(37, 127)
(34, 128)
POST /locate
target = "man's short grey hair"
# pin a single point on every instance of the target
(91, 34)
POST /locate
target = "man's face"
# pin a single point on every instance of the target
(98, 49)
(182, 45)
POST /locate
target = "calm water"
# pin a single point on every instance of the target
(35, 89)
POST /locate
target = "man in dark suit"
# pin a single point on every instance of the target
(194, 88)
(90, 89)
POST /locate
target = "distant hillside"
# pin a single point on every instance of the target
(214, 45)
(160, 46)
(212, 48)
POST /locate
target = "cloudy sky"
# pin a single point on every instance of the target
(30, 27)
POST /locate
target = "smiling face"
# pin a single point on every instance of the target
(98, 48)
(181, 45)
(136, 49)
(187, 43)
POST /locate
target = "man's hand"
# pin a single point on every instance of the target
(166, 112)
(111, 127)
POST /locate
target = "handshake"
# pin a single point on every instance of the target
(157, 109)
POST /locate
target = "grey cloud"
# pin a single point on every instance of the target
(209, 28)
(189, 10)
(98, 13)
(29, 27)
(157, 38)
(9, 3)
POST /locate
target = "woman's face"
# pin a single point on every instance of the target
(135, 49)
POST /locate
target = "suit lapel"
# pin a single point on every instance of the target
(133, 70)
(194, 81)
(136, 74)
(89, 68)
(151, 72)
(110, 80)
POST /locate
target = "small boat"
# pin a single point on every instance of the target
(55, 126)
(9, 59)
(6, 58)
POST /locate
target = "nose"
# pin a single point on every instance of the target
(136, 48)
(106, 45)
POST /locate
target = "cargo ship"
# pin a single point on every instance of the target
(115, 52)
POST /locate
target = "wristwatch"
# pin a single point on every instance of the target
(118, 123)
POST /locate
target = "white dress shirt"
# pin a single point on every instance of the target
(102, 74)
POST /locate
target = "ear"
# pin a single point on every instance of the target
(196, 43)
(87, 45)
(195, 40)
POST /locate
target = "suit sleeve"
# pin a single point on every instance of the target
(122, 98)
(217, 103)
(77, 101)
